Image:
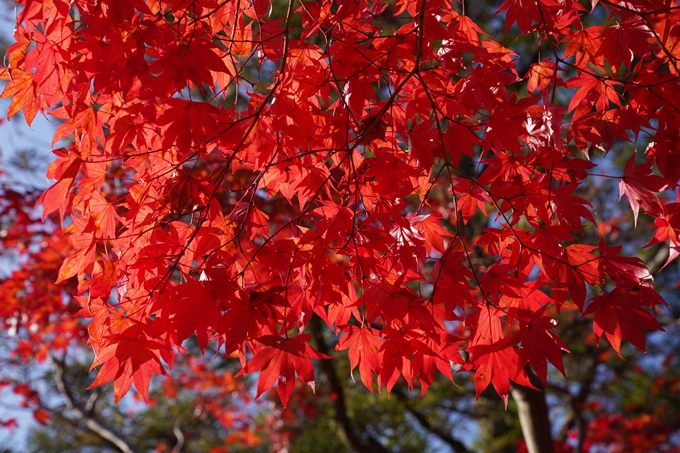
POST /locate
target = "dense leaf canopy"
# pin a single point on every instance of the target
(239, 170)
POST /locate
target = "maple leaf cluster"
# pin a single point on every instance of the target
(36, 322)
(235, 169)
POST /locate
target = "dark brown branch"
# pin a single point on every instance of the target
(573, 419)
(340, 406)
(576, 402)
(87, 421)
(444, 435)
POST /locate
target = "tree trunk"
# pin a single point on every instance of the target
(533, 415)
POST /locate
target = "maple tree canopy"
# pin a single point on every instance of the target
(236, 168)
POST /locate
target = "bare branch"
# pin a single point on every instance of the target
(177, 431)
(88, 421)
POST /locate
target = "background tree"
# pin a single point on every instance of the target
(277, 184)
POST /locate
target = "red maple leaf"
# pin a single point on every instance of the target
(280, 361)
(593, 90)
(524, 13)
(64, 169)
(105, 215)
(540, 345)
(432, 231)
(621, 314)
(22, 90)
(364, 344)
(638, 184)
(497, 364)
(194, 309)
(131, 357)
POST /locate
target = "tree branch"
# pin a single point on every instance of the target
(576, 402)
(177, 431)
(88, 421)
(455, 444)
(659, 259)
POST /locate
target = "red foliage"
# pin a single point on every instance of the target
(652, 431)
(231, 176)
